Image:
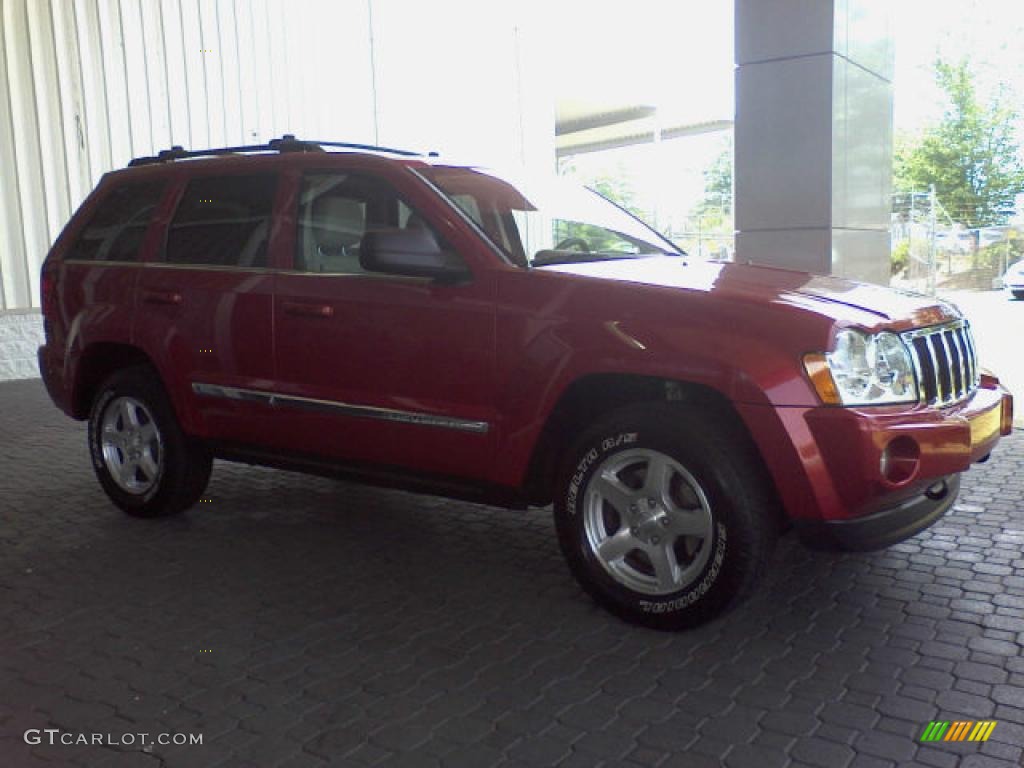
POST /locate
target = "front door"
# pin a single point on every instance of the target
(384, 369)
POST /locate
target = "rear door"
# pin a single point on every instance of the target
(100, 268)
(376, 368)
(205, 305)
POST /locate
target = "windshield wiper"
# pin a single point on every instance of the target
(546, 258)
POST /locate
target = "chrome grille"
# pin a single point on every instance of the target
(945, 362)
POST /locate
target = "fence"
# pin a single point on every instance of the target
(932, 251)
(707, 235)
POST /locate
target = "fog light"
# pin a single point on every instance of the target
(900, 460)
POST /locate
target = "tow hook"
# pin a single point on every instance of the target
(938, 491)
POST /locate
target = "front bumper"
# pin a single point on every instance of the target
(834, 465)
(886, 527)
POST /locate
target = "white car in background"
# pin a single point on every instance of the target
(1013, 279)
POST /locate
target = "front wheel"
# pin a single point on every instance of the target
(145, 463)
(665, 515)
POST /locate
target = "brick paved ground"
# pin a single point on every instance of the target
(296, 621)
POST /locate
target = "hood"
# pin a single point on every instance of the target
(847, 301)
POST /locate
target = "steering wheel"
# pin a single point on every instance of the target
(569, 242)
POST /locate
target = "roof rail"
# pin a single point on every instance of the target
(287, 143)
(371, 148)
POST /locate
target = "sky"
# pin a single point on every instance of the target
(988, 33)
(675, 54)
(679, 56)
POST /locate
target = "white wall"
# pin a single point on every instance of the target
(87, 85)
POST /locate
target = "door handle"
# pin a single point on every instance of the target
(308, 310)
(161, 297)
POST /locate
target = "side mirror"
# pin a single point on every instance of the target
(411, 252)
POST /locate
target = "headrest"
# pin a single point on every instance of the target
(337, 221)
(415, 222)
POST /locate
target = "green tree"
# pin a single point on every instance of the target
(900, 258)
(709, 224)
(718, 185)
(619, 190)
(617, 187)
(971, 156)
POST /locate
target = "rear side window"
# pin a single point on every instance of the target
(116, 230)
(223, 221)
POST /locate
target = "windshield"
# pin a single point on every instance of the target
(547, 220)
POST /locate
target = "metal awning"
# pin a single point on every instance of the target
(589, 126)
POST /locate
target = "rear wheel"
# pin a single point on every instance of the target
(145, 463)
(665, 515)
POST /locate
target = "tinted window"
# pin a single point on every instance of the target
(116, 230)
(223, 220)
(336, 210)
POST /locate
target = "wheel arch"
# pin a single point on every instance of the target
(592, 396)
(97, 362)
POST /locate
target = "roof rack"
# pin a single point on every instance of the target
(287, 143)
(373, 148)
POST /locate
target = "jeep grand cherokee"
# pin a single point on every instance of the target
(389, 317)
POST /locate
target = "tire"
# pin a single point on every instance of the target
(144, 462)
(1018, 294)
(666, 559)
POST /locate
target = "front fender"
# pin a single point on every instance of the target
(537, 371)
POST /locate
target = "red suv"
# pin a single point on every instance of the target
(385, 316)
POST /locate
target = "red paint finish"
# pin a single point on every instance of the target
(406, 345)
(826, 460)
(500, 348)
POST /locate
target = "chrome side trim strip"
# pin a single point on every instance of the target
(232, 393)
(348, 409)
(251, 270)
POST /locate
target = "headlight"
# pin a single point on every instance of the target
(864, 369)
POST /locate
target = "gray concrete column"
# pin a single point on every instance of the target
(813, 165)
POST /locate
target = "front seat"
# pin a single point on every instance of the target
(337, 225)
(415, 221)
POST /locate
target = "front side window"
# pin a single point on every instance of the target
(547, 220)
(223, 221)
(115, 232)
(336, 210)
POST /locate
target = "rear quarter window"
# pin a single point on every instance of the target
(117, 228)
